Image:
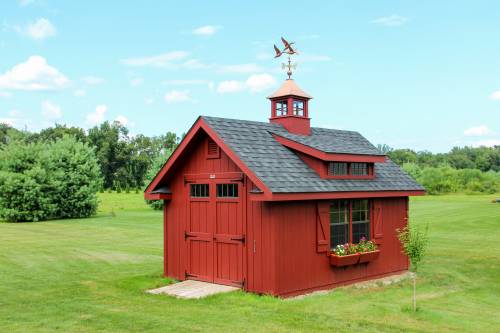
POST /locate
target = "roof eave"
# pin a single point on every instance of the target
(334, 195)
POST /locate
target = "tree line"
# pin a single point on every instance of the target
(57, 172)
(462, 169)
(124, 160)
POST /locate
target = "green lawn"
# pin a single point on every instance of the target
(89, 275)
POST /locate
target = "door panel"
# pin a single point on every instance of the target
(229, 241)
(200, 240)
(215, 233)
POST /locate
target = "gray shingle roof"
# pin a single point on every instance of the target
(333, 141)
(284, 172)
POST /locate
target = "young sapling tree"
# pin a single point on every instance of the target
(414, 242)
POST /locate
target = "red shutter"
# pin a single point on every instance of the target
(377, 220)
(323, 226)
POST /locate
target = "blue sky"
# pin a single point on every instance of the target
(423, 75)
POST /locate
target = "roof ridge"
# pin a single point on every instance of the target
(267, 123)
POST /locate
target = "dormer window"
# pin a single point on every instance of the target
(298, 108)
(350, 170)
(338, 169)
(359, 169)
(281, 108)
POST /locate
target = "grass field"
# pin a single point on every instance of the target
(89, 275)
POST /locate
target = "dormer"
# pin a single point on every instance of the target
(289, 108)
(329, 164)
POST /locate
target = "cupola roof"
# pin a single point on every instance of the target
(289, 88)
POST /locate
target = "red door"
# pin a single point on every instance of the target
(215, 231)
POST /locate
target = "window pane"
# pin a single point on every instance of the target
(281, 108)
(337, 169)
(359, 169)
(360, 230)
(298, 108)
(360, 220)
(339, 222)
(339, 234)
(199, 190)
(227, 190)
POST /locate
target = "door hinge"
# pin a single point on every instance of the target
(239, 238)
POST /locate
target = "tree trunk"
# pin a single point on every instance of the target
(414, 291)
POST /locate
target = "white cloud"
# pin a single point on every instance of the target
(166, 60)
(207, 30)
(137, 81)
(25, 2)
(481, 130)
(495, 95)
(97, 117)
(230, 86)
(51, 110)
(80, 92)
(92, 80)
(40, 29)
(260, 82)
(241, 68)
(487, 143)
(391, 21)
(177, 96)
(254, 83)
(124, 121)
(34, 74)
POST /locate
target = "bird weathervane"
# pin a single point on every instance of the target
(288, 49)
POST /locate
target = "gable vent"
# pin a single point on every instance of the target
(212, 149)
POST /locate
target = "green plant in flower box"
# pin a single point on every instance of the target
(366, 245)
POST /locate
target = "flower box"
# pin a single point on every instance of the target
(368, 256)
(340, 261)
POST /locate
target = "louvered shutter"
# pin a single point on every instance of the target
(323, 226)
(378, 220)
(212, 149)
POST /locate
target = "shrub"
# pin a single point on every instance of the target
(46, 180)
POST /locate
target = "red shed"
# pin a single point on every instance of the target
(261, 205)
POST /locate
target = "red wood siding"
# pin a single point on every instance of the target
(261, 245)
(300, 268)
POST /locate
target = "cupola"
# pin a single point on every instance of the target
(289, 108)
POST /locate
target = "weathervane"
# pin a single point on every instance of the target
(287, 50)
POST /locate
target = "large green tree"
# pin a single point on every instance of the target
(111, 143)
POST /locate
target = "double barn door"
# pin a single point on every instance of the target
(215, 230)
